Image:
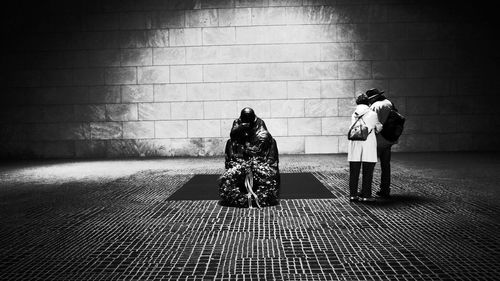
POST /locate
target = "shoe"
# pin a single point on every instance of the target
(383, 194)
(353, 198)
(367, 199)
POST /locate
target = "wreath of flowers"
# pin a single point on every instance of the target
(265, 182)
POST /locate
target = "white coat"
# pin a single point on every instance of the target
(365, 151)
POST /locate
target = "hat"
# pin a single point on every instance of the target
(374, 93)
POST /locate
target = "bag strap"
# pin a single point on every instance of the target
(361, 118)
(357, 119)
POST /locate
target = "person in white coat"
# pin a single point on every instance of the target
(363, 154)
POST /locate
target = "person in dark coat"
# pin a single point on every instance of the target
(382, 106)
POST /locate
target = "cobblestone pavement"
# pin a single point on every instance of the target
(110, 220)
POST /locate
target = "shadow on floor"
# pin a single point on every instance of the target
(398, 200)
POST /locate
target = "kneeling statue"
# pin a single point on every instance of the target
(251, 162)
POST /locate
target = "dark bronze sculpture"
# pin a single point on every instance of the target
(251, 160)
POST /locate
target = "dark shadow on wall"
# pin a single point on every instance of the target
(38, 25)
(32, 16)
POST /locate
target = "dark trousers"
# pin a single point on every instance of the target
(366, 185)
(384, 153)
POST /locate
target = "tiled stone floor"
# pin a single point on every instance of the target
(110, 220)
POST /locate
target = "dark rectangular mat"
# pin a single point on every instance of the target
(293, 186)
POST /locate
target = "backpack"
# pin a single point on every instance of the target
(358, 131)
(393, 126)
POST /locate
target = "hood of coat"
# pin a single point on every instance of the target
(361, 109)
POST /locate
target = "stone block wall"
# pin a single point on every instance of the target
(168, 77)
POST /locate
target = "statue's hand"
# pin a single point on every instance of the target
(245, 125)
(252, 148)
